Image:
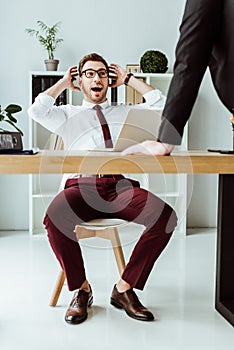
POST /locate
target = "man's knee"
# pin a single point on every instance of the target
(167, 220)
(172, 221)
(163, 218)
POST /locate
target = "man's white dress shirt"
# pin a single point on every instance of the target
(79, 126)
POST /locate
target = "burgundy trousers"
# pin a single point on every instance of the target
(112, 196)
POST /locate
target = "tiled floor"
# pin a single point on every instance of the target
(180, 292)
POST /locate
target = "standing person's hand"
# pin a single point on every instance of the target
(149, 147)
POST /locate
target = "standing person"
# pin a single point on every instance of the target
(206, 40)
(89, 196)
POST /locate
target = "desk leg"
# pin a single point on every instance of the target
(224, 299)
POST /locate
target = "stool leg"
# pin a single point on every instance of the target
(118, 251)
(58, 288)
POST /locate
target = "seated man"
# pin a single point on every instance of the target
(88, 196)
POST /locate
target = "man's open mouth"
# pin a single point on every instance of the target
(96, 89)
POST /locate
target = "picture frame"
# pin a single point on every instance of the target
(133, 68)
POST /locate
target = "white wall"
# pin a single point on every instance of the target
(119, 30)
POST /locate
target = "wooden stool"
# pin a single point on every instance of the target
(102, 228)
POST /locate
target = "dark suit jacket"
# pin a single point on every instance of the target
(206, 39)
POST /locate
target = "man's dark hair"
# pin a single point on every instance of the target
(91, 57)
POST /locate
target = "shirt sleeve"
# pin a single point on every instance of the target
(46, 113)
(198, 31)
(154, 99)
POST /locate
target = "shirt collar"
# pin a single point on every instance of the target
(87, 104)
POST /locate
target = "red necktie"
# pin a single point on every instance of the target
(105, 127)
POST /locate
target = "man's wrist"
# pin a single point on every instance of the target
(127, 78)
(63, 82)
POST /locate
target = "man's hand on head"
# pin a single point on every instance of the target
(70, 77)
(149, 147)
(117, 74)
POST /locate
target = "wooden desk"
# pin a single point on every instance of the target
(56, 162)
(193, 162)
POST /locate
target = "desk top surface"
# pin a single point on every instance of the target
(56, 162)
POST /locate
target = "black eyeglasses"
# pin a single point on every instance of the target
(90, 73)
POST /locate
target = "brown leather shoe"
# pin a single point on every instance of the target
(77, 311)
(130, 303)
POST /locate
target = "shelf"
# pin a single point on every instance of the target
(168, 194)
(46, 73)
(44, 195)
(159, 76)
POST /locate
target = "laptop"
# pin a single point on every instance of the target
(139, 125)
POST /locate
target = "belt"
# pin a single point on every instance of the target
(97, 175)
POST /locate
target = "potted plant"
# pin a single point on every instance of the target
(10, 140)
(154, 62)
(6, 116)
(47, 38)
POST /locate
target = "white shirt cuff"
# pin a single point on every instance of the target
(153, 96)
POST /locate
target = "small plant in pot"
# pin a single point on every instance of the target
(6, 116)
(10, 139)
(47, 37)
(154, 61)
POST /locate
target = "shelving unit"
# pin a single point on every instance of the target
(42, 188)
